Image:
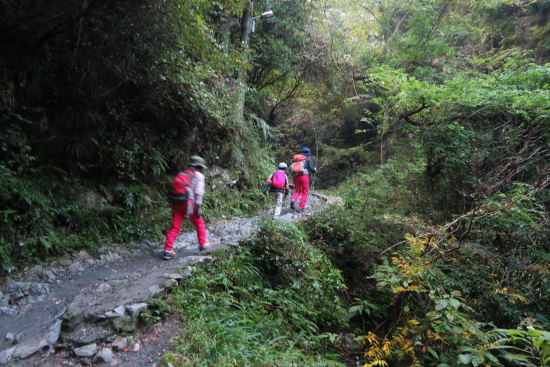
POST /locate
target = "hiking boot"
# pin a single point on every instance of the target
(292, 204)
(169, 255)
(204, 246)
(300, 210)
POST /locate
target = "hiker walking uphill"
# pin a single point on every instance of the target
(185, 196)
(277, 184)
(302, 167)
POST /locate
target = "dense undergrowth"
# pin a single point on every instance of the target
(270, 303)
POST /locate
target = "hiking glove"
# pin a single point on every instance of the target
(266, 186)
(199, 212)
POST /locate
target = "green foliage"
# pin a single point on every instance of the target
(431, 324)
(117, 95)
(45, 216)
(238, 314)
(529, 347)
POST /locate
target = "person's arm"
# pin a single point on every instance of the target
(310, 167)
(268, 183)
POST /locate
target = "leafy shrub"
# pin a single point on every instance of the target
(263, 305)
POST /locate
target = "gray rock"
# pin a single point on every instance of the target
(48, 275)
(103, 356)
(90, 262)
(117, 283)
(154, 289)
(39, 288)
(173, 276)
(170, 283)
(83, 255)
(30, 346)
(87, 334)
(120, 310)
(144, 247)
(17, 295)
(53, 332)
(65, 263)
(135, 309)
(111, 257)
(91, 317)
(10, 337)
(86, 351)
(119, 344)
(6, 355)
(8, 311)
(59, 271)
(187, 271)
(76, 266)
(37, 269)
(148, 243)
(125, 324)
(20, 336)
(104, 287)
(219, 173)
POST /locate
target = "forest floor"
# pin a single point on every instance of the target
(55, 314)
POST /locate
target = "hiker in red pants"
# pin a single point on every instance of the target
(185, 197)
(302, 167)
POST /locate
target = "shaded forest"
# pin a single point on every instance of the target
(430, 119)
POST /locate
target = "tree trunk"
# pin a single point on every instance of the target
(383, 146)
(246, 28)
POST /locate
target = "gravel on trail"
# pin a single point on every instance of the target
(60, 314)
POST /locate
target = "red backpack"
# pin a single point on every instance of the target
(279, 179)
(180, 187)
(299, 165)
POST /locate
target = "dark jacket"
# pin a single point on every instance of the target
(309, 165)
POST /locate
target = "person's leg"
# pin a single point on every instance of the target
(297, 188)
(273, 195)
(278, 205)
(304, 182)
(199, 226)
(178, 215)
(297, 191)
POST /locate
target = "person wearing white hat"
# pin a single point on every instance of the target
(277, 184)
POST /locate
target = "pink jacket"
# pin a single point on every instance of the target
(197, 185)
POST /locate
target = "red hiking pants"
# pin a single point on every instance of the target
(301, 184)
(178, 216)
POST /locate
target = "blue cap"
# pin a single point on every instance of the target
(305, 151)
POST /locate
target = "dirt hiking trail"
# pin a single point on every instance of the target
(84, 310)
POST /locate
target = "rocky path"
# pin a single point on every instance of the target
(85, 310)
